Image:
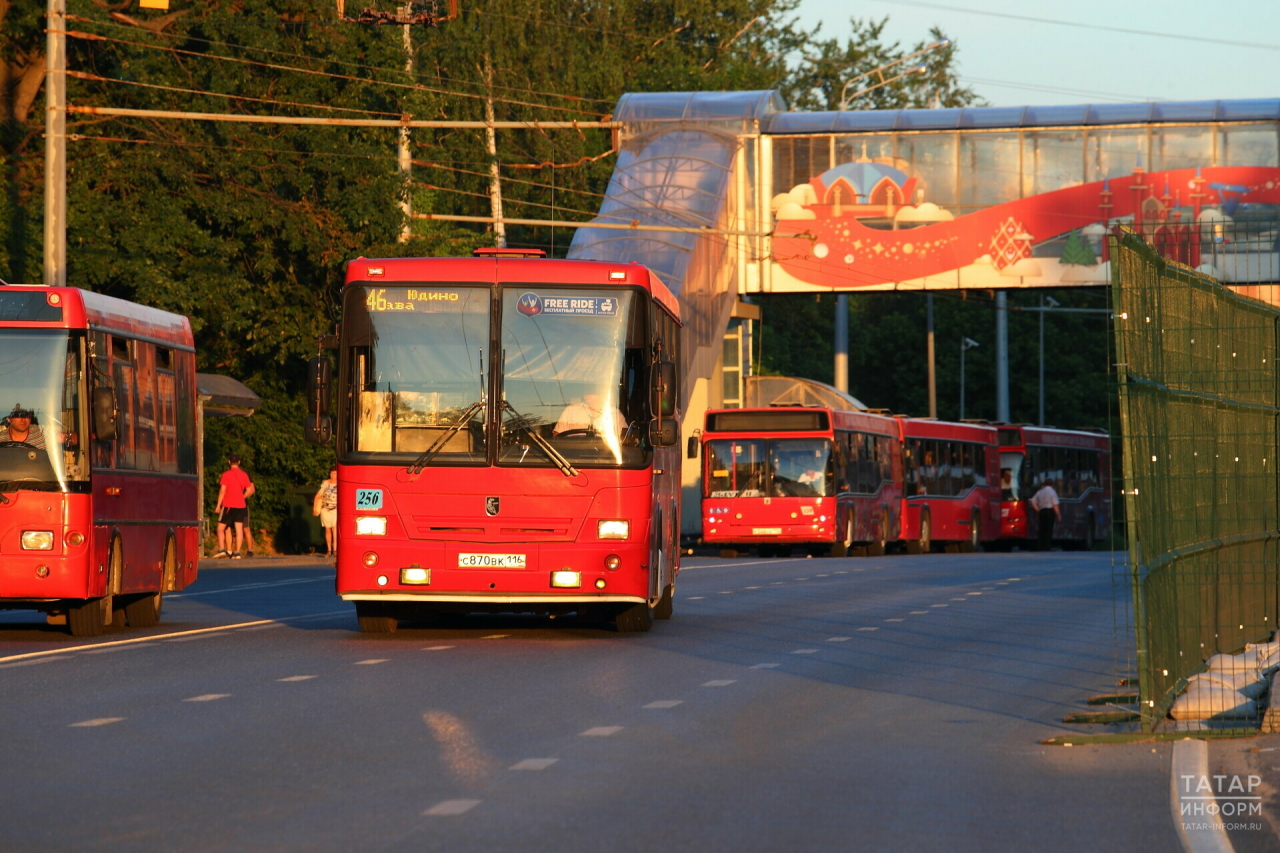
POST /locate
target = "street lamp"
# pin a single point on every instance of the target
(1046, 302)
(845, 98)
(966, 344)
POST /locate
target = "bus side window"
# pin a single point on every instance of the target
(126, 401)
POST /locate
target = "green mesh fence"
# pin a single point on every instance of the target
(1199, 398)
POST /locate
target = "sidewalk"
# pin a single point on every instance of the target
(280, 561)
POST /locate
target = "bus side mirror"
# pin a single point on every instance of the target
(664, 390)
(692, 450)
(104, 413)
(664, 432)
(318, 428)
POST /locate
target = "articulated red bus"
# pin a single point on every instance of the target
(507, 431)
(849, 481)
(952, 483)
(792, 476)
(99, 482)
(1077, 463)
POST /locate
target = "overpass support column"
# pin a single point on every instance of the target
(1002, 356)
(842, 343)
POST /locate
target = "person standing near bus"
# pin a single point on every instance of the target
(232, 508)
(1045, 503)
(325, 505)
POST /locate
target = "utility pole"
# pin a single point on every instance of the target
(1002, 356)
(403, 155)
(842, 342)
(933, 365)
(55, 147)
(495, 180)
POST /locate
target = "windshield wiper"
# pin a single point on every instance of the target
(521, 423)
(430, 453)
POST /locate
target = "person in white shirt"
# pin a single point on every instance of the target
(1045, 503)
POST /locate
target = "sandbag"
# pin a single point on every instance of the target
(1206, 702)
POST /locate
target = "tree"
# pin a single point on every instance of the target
(1078, 251)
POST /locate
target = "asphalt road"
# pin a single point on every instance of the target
(875, 704)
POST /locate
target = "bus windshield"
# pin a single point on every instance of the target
(571, 374)
(41, 446)
(784, 467)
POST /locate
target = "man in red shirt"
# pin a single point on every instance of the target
(234, 487)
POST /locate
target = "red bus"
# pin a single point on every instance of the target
(1077, 463)
(99, 483)
(506, 431)
(800, 476)
(951, 482)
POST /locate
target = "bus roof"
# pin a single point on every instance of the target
(495, 270)
(1054, 437)
(928, 428)
(84, 309)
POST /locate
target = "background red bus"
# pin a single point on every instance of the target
(1078, 465)
(803, 476)
(952, 484)
(98, 512)
(507, 431)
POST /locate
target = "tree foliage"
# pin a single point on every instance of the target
(246, 227)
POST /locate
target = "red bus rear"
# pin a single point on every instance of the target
(952, 484)
(99, 486)
(809, 477)
(507, 433)
(1077, 463)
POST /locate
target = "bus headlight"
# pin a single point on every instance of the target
(566, 580)
(415, 575)
(37, 540)
(613, 529)
(371, 525)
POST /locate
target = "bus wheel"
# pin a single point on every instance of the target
(975, 531)
(666, 605)
(88, 618)
(881, 544)
(144, 610)
(842, 549)
(375, 618)
(924, 544)
(635, 619)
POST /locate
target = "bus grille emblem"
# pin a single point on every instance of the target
(491, 506)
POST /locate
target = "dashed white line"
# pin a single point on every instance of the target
(100, 721)
(778, 583)
(805, 652)
(896, 619)
(534, 764)
(959, 599)
(696, 597)
(371, 661)
(939, 605)
(868, 628)
(838, 639)
(452, 807)
(822, 576)
(919, 613)
(841, 572)
(297, 678)
(753, 587)
(726, 592)
(766, 665)
(664, 703)
(719, 682)
(207, 697)
(601, 731)
(436, 648)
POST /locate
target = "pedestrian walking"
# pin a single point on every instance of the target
(325, 505)
(234, 489)
(1045, 503)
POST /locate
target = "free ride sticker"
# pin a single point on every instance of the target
(491, 561)
(368, 498)
(533, 305)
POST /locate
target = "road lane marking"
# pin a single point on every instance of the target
(896, 620)
(436, 648)
(778, 583)
(664, 703)
(100, 721)
(111, 649)
(29, 662)
(805, 652)
(533, 764)
(841, 572)
(753, 587)
(959, 599)
(919, 613)
(696, 597)
(207, 697)
(838, 639)
(452, 807)
(210, 636)
(371, 661)
(973, 593)
(726, 592)
(720, 682)
(297, 678)
(939, 605)
(153, 637)
(868, 628)
(1203, 833)
(601, 731)
(173, 596)
(822, 576)
(802, 579)
(766, 665)
(260, 628)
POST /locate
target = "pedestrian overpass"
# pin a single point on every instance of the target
(728, 194)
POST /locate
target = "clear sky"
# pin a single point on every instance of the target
(1100, 51)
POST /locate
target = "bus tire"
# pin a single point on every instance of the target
(88, 618)
(375, 618)
(666, 605)
(634, 619)
(143, 610)
(880, 546)
(923, 544)
(765, 551)
(845, 546)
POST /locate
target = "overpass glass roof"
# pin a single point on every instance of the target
(1156, 112)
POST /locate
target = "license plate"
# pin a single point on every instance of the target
(491, 561)
(766, 531)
